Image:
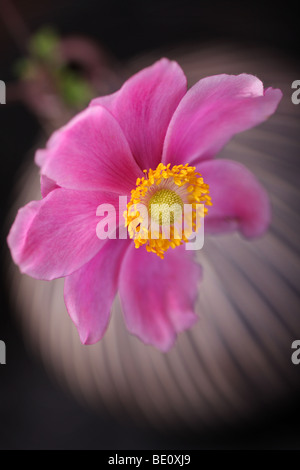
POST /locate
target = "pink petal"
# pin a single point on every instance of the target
(213, 111)
(158, 296)
(90, 291)
(54, 237)
(17, 235)
(239, 201)
(47, 185)
(144, 107)
(90, 153)
(41, 155)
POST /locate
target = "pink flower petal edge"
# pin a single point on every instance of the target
(91, 153)
(163, 300)
(47, 185)
(239, 200)
(144, 107)
(54, 237)
(89, 292)
(212, 111)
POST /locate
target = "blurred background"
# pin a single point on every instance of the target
(55, 56)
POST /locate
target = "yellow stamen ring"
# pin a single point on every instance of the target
(158, 201)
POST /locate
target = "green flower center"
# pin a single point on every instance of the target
(165, 206)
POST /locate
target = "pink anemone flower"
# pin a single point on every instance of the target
(152, 139)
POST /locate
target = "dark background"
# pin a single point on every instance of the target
(34, 412)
